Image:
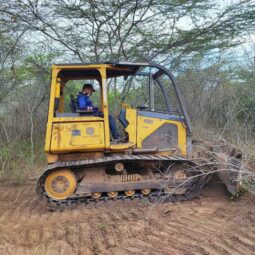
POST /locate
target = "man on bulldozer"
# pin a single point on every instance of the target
(86, 104)
(154, 161)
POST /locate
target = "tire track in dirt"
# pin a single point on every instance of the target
(210, 225)
(197, 237)
(210, 228)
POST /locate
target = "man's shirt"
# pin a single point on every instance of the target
(84, 102)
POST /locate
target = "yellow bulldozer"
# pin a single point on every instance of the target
(152, 160)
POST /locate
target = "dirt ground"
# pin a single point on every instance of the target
(212, 224)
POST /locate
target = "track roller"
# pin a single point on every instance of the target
(129, 193)
(146, 191)
(96, 195)
(112, 194)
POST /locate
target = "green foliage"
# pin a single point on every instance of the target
(134, 30)
(177, 33)
(15, 160)
(4, 154)
(246, 107)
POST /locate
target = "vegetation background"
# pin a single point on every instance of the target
(208, 45)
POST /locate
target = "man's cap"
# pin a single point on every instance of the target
(89, 86)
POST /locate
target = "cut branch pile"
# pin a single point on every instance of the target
(227, 161)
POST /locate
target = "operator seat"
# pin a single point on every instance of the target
(74, 104)
(76, 109)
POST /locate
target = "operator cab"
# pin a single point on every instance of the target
(143, 96)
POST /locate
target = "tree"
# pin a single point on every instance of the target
(145, 30)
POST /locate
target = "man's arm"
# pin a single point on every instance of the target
(85, 103)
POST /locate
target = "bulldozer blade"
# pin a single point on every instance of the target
(228, 171)
(226, 160)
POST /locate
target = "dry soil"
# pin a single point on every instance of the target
(212, 224)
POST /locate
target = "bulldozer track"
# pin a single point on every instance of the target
(112, 158)
(157, 196)
(210, 225)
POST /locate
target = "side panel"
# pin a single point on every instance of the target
(131, 116)
(165, 137)
(55, 87)
(68, 137)
(161, 133)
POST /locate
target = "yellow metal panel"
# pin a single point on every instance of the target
(147, 125)
(77, 119)
(182, 139)
(67, 137)
(51, 109)
(57, 88)
(131, 128)
(52, 158)
(121, 146)
(105, 108)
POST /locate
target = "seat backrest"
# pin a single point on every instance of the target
(73, 104)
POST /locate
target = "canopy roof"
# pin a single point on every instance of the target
(90, 70)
